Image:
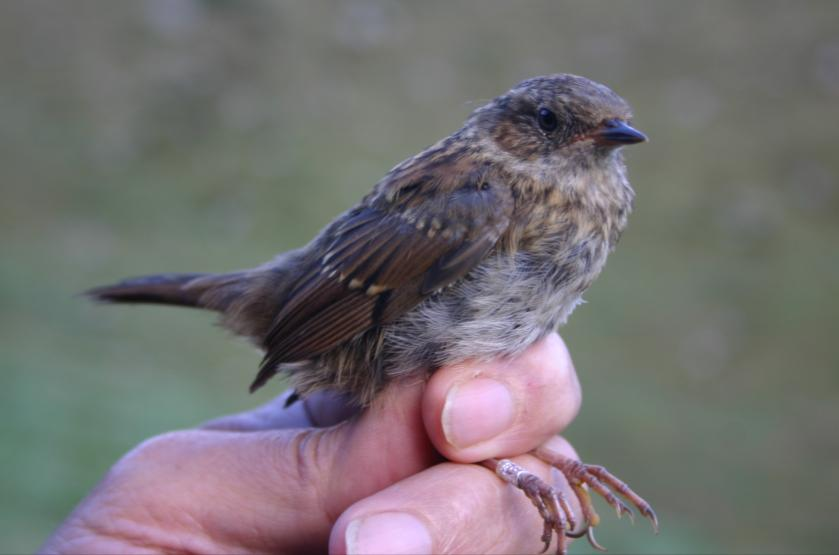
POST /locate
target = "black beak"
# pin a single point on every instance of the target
(615, 132)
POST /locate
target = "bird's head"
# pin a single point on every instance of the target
(556, 119)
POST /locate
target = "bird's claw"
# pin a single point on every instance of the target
(554, 508)
(600, 480)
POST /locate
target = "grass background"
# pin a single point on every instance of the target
(185, 135)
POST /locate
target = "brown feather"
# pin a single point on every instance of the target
(383, 258)
(472, 248)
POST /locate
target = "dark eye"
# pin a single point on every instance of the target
(547, 120)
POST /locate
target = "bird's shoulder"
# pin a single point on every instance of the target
(450, 187)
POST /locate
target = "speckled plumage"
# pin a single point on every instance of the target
(474, 248)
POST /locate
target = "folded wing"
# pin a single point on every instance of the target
(383, 258)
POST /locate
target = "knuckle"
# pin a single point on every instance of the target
(157, 447)
(155, 452)
(307, 459)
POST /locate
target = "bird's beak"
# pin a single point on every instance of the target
(615, 132)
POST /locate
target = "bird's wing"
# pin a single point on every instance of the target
(382, 258)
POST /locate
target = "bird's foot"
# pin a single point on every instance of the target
(551, 503)
(601, 481)
(554, 508)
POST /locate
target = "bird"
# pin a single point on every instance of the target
(475, 248)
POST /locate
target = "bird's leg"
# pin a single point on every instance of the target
(599, 480)
(551, 503)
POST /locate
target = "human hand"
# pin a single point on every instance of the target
(276, 480)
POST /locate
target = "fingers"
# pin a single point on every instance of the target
(475, 411)
(457, 410)
(281, 490)
(462, 410)
(262, 491)
(449, 508)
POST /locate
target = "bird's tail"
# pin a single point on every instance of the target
(192, 290)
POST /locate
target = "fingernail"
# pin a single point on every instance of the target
(476, 411)
(387, 533)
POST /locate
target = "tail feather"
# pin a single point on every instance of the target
(171, 289)
(227, 294)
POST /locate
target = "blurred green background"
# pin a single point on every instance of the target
(181, 135)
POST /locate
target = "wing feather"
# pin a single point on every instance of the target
(382, 259)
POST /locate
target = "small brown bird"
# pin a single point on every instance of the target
(475, 248)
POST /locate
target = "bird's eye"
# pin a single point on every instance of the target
(547, 120)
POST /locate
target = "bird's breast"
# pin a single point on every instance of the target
(508, 302)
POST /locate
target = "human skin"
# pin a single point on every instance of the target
(300, 479)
